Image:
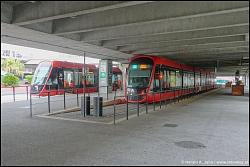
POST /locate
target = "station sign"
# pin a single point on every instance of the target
(105, 74)
(5, 53)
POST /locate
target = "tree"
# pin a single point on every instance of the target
(29, 78)
(13, 66)
(10, 80)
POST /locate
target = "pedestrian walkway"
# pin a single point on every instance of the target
(212, 129)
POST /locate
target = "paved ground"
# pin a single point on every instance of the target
(213, 129)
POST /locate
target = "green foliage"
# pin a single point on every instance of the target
(10, 80)
(13, 66)
(29, 78)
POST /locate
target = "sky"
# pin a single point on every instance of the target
(32, 53)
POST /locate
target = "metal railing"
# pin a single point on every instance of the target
(48, 99)
(14, 91)
(165, 97)
(150, 101)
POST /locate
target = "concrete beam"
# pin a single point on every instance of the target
(157, 46)
(199, 47)
(170, 26)
(76, 37)
(17, 35)
(132, 16)
(207, 64)
(46, 27)
(224, 61)
(6, 12)
(201, 53)
(225, 31)
(213, 64)
(45, 11)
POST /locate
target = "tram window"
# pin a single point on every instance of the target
(203, 78)
(157, 85)
(208, 79)
(156, 79)
(139, 73)
(77, 78)
(41, 73)
(178, 78)
(164, 78)
(52, 82)
(172, 79)
(190, 79)
(60, 78)
(197, 79)
(168, 79)
(68, 79)
(90, 78)
(185, 79)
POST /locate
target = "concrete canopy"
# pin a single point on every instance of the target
(200, 33)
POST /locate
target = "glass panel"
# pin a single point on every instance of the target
(191, 80)
(168, 79)
(203, 78)
(178, 78)
(165, 86)
(41, 73)
(185, 79)
(156, 79)
(139, 73)
(90, 79)
(60, 78)
(172, 79)
(77, 77)
(53, 80)
(197, 79)
(68, 79)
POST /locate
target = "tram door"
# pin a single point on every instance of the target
(60, 78)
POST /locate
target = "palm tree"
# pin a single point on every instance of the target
(11, 65)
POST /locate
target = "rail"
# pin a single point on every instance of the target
(164, 99)
(149, 101)
(13, 91)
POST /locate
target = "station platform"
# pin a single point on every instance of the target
(209, 129)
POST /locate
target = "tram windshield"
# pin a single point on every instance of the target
(139, 73)
(41, 73)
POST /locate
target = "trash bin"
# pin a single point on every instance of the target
(98, 102)
(87, 105)
(100, 106)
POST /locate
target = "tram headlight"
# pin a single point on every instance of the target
(128, 90)
(132, 91)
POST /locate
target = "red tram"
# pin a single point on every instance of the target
(58, 76)
(153, 78)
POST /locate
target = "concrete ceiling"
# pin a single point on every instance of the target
(200, 33)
